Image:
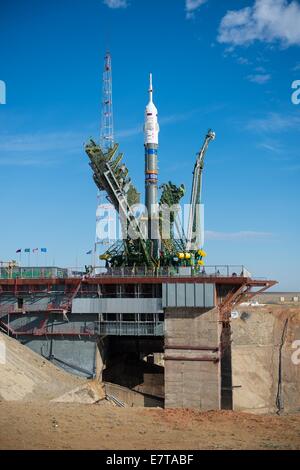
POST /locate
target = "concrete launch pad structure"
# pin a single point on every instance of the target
(106, 325)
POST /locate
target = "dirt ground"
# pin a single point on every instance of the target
(43, 407)
(103, 427)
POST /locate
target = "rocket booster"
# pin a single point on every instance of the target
(151, 131)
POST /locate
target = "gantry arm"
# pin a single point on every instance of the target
(194, 222)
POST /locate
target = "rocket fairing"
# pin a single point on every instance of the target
(151, 131)
(151, 127)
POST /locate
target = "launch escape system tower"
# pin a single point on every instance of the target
(154, 294)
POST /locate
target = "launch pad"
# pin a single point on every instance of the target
(107, 325)
(152, 294)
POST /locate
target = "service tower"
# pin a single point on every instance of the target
(151, 130)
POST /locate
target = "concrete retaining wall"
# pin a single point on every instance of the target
(192, 378)
(77, 356)
(260, 341)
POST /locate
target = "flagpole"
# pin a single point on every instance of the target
(95, 254)
(45, 257)
(36, 252)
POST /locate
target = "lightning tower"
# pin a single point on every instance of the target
(107, 122)
(106, 132)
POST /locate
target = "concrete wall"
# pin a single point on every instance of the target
(189, 381)
(153, 385)
(260, 341)
(77, 356)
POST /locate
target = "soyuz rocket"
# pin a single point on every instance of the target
(151, 131)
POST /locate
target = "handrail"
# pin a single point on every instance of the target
(99, 271)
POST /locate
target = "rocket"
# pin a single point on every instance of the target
(151, 131)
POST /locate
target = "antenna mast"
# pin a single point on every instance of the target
(107, 123)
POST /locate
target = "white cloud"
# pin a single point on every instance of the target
(129, 132)
(243, 61)
(267, 20)
(41, 142)
(270, 146)
(191, 6)
(274, 122)
(116, 3)
(260, 69)
(39, 149)
(243, 235)
(259, 78)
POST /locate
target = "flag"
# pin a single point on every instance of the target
(27, 250)
(19, 250)
(90, 252)
(43, 250)
(35, 250)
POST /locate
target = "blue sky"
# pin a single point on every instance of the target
(226, 65)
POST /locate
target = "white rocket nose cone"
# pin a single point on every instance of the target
(151, 127)
(151, 108)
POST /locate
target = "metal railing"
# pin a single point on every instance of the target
(33, 272)
(95, 272)
(204, 271)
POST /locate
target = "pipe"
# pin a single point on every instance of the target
(192, 348)
(192, 359)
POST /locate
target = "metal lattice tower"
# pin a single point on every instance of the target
(106, 132)
(107, 123)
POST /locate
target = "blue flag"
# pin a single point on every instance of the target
(90, 252)
(27, 250)
(43, 250)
